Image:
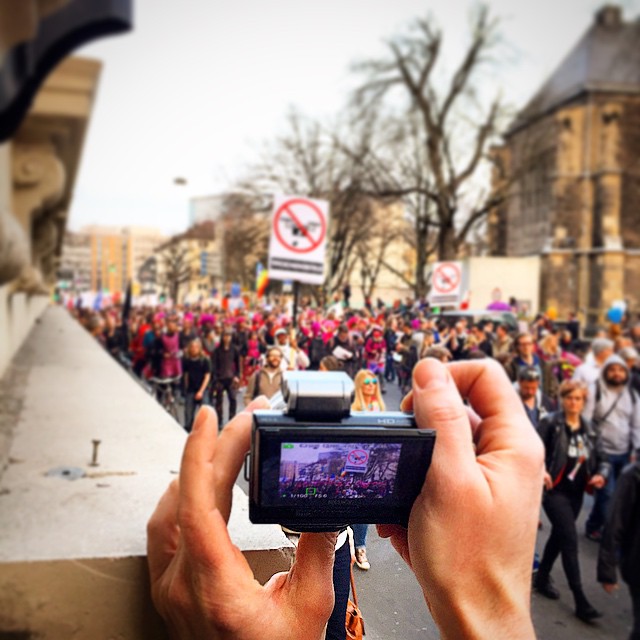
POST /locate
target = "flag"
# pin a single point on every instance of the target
(126, 312)
(261, 282)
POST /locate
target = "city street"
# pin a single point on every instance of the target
(393, 605)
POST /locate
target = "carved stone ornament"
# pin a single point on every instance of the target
(39, 180)
(39, 175)
(14, 248)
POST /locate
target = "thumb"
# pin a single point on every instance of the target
(316, 552)
(313, 568)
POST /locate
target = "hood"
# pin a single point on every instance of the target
(614, 359)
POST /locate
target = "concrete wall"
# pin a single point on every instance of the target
(72, 552)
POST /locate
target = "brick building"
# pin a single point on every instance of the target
(572, 157)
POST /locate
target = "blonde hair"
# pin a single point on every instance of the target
(359, 403)
(549, 344)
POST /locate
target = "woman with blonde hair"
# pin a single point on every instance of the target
(367, 398)
(574, 462)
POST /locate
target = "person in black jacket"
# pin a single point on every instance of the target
(574, 460)
(225, 374)
(621, 540)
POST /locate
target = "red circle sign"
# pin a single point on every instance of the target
(358, 456)
(446, 277)
(302, 221)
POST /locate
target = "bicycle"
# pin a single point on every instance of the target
(164, 393)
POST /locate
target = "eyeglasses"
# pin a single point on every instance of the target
(370, 381)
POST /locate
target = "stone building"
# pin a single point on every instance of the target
(572, 160)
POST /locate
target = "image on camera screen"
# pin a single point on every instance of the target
(338, 470)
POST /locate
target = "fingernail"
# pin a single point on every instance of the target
(430, 374)
(201, 418)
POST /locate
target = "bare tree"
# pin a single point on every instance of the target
(307, 161)
(176, 269)
(454, 143)
(395, 170)
(245, 225)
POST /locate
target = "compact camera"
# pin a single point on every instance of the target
(316, 465)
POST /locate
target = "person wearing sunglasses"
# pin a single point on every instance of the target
(367, 398)
(367, 393)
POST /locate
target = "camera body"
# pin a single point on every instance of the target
(318, 466)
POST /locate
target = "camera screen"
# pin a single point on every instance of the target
(338, 470)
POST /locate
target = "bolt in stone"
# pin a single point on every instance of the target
(94, 458)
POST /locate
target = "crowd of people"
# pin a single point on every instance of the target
(581, 396)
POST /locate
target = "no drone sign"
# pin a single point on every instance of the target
(298, 239)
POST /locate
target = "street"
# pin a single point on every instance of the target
(393, 606)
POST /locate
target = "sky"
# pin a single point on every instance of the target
(198, 87)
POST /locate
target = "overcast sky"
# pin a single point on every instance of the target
(199, 85)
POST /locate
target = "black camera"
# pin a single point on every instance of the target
(318, 466)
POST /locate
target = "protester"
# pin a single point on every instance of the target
(574, 460)
(503, 342)
(536, 404)
(632, 360)
(267, 380)
(342, 346)
(293, 358)
(614, 410)
(225, 371)
(171, 366)
(197, 375)
(375, 353)
(589, 371)
(620, 544)
(367, 398)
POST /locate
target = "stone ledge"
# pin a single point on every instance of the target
(86, 528)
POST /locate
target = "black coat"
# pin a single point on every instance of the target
(556, 443)
(622, 531)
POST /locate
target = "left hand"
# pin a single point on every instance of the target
(198, 395)
(201, 584)
(610, 588)
(597, 481)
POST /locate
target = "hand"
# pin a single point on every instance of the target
(198, 395)
(610, 588)
(548, 481)
(597, 481)
(472, 530)
(201, 583)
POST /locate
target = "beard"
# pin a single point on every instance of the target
(615, 382)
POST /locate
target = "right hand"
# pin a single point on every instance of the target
(548, 481)
(610, 588)
(201, 583)
(472, 530)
